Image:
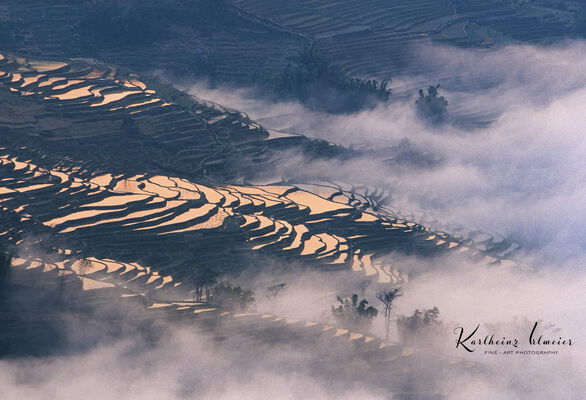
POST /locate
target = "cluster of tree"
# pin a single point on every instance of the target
(311, 79)
(203, 280)
(231, 297)
(354, 314)
(225, 295)
(417, 325)
(431, 106)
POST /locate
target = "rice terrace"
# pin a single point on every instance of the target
(268, 199)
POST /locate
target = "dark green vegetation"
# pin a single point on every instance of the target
(353, 313)
(431, 106)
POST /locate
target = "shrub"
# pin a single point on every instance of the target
(431, 106)
(231, 297)
(311, 79)
(353, 314)
(419, 325)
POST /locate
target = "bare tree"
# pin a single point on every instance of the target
(387, 297)
(273, 292)
(363, 285)
(84, 266)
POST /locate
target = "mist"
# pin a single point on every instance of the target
(521, 175)
(511, 161)
(186, 363)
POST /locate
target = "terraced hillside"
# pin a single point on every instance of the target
(119, 195)
(90, 154)
(116, 291)
(122, 197)
(185, 38)
(378, 38)
(233, 40)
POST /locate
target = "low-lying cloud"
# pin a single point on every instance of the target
(522, 175)
(511, 162)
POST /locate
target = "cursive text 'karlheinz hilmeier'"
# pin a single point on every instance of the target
(469, 342)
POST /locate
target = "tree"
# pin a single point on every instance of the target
(81, 268)
(231, 297)
(363, 285)
(387, 297)
(84, 265)
(431, 106)
(419, 323)
(203, 279)
(353, 314)
(273, 292)
(311, 79)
